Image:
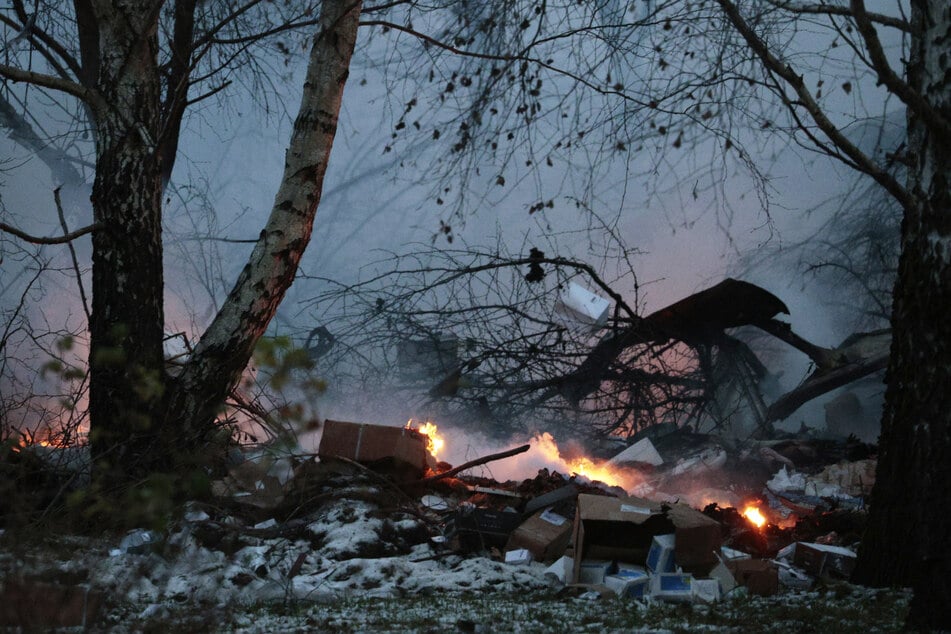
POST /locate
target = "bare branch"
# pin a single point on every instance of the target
(69, 237)
(45, 44)
(828, 9)
(910, 97)
(86, 95)
(519, 56)
(468, 465)
(806, 100)
(822, 382)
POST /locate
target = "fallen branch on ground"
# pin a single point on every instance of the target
(472, 463)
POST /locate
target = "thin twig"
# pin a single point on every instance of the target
(72, 253)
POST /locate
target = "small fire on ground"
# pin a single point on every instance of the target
(601, 471)
(434, 440)
(754, 515)
(544, 447)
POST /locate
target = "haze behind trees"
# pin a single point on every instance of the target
(714, 79)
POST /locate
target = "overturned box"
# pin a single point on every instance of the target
(374, 444)
(760, 577)
(824, 559)
(623, 528)
(545, 534)
(629, 583)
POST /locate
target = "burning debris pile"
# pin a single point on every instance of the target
(375, 513)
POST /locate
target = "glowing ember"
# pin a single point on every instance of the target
(754, 515)
(434, 440)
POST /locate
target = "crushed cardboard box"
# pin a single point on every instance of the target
(622, 529)
(545, 534)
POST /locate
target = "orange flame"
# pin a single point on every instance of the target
(434, 440)
(754, 515)
(583, 466)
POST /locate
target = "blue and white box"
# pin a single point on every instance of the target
(660, 557)
(672, 586)
(594, 570)
(629, 582)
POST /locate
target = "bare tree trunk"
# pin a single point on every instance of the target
(126, 329)
(225, 349)
(909, 529)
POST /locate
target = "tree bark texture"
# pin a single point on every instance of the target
(908, 539)
(126, 328)
(224, 350)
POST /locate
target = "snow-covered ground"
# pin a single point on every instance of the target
(364, 559)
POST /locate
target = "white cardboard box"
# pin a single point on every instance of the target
(672, 586)
(581, 307)
(518, 556)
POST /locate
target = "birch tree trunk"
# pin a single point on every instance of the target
(224, 350)
(126, 327)
(142, 420)
(908, 537)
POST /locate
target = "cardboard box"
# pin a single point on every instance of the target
(593, 571)
(672, 586)
(758, 575)
(823, 559)
(706, 590)
(367, 444)
(623, 528)
(660, 557)
(545, 534)
(724, 578)
(613, 528)
(519, 556)
(628, 583)
(561, 569)
(698, 538)
(581, 307)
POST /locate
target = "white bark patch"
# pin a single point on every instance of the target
(273, 262)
